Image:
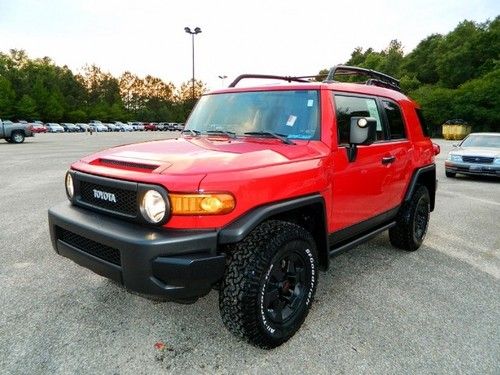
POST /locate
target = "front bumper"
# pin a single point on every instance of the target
(177, 264)
(472, 168)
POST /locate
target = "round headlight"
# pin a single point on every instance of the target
(153, 206)
(70, 190)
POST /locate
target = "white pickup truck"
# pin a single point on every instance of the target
(15, 132)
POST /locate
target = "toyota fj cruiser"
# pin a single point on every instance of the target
(262, 188)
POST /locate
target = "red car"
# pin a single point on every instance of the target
(38, 128)
(265, 184)
(151, 126)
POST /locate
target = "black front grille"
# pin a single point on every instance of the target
(96, 249)
(477, 159)
(113, 199)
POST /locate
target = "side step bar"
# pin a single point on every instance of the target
(359, 240)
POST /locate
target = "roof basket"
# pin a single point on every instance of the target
(266, 76)
(375, 78)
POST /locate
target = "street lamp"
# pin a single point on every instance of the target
(222, 78)
(196, 30)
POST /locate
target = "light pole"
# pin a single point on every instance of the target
(222, 78)
(196, 30)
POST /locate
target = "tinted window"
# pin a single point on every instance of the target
(423, 123)
(350, 106)
(395, 120)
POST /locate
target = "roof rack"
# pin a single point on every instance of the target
(266, 76)
(375, 78)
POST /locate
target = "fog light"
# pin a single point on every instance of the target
(70, 190)
(153, 206)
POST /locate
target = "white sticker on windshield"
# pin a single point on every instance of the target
(291, 120)
(310, 103)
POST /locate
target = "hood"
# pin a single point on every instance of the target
(477, 151)
(206, 155)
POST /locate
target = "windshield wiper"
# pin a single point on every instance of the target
(192, 132)
(225, 132)
(281, 137)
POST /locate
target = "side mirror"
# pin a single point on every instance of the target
(363, 130)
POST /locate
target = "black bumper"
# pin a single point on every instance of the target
(176, 264)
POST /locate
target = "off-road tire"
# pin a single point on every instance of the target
(450, 174)
(247, 279)
(17, 137)
(412, 221)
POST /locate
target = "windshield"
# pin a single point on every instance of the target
(477, 140)
(293, 114)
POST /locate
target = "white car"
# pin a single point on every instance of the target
(98, 126)
(138, 126)
(477, 154)
(52, 127)
(123, 127)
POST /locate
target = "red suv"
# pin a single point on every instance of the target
(265, 185)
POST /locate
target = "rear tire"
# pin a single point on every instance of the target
(269, 283)
(412, 221)
(450, 174)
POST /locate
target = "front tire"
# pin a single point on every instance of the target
(17, 137)
(450, 174)
(269, 283)
(412, 221)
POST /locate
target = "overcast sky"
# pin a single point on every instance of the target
(291, 37)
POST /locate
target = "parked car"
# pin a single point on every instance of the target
(15, 132)
(179, 127)
(151, 126)
(112, 127)
(70, 127)
(38, 128)
(82, 127)
(98, 126)
(138, 126)
(257, 218)
(53, 127)
(477, 154)
(124, 127)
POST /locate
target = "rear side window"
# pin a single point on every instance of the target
(394, 119)
(352, 106)
(423, 123)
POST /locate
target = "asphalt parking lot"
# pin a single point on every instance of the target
(378, 310)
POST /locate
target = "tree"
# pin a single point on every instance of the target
(26, 108)
(7, 96)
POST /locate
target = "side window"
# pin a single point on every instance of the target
(423, 123)
(395, 120)
(352, 106)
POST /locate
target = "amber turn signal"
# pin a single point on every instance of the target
(201, 204)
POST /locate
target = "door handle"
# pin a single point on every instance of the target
(388, 159)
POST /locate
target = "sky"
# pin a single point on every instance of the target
(285, 37)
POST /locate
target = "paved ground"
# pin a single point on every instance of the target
(378, 310)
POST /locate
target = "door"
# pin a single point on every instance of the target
(363, 188)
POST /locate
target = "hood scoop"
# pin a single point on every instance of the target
(126, 164)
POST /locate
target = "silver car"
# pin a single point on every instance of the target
(477, 154)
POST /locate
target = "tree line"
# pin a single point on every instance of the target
(452, 76)
(456, 75)
(38, 89)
